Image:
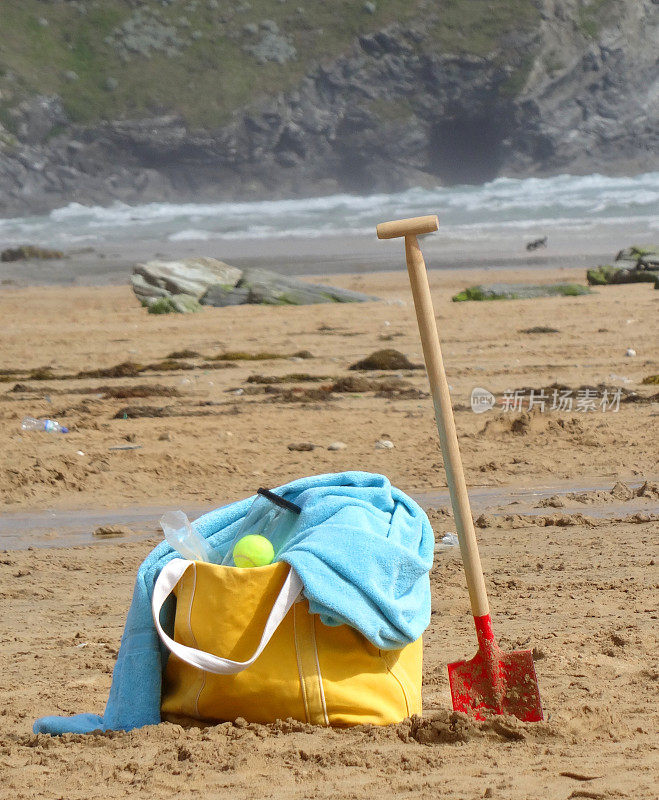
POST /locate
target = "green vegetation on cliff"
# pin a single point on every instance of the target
(591, 14)
(110, 59)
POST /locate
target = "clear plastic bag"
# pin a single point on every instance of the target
(181, 535)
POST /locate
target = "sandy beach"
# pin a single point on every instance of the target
(571, 574)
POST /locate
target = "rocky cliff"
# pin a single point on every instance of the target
(452, 92)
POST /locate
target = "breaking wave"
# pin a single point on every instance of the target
(501, 205)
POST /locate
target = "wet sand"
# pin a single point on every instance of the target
(103, 263)
(576, 581)
(23, 530)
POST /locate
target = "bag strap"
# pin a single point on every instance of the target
(170, 575)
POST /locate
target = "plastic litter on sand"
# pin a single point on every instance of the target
(446, 542)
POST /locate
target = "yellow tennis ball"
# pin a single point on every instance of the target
(253, 551)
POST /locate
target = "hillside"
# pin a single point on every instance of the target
(152, 99)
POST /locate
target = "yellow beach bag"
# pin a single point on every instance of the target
(245, 645)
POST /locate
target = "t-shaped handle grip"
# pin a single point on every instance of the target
(414, 226)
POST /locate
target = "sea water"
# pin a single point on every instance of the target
(491, 212)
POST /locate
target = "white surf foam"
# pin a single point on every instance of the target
(502, 205)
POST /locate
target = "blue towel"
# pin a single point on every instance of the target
(363, 551)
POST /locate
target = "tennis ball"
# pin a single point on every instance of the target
(253, 551)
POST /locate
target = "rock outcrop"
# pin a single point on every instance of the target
(573, 93)
(185, 286)
(263, 287)
(632, 265)
(28, 251)
(192, 277)
(520, 291)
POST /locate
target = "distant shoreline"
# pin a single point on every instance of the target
(315, 258)
(586, 220)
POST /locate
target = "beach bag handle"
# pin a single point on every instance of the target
(170, 575)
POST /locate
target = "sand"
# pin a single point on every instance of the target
(576, 582)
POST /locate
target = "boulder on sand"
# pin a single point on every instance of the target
(643, 257)
(220, 296)
(632, 265)
(191, 276)
(210, 282)
(270, 288)
(178, 303)
(607, 274)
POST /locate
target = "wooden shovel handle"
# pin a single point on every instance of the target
(446, 427)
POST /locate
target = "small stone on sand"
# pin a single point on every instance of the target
(108, 531)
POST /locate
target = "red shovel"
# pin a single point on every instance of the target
(493, 680)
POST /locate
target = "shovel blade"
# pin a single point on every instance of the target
(499, 682)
